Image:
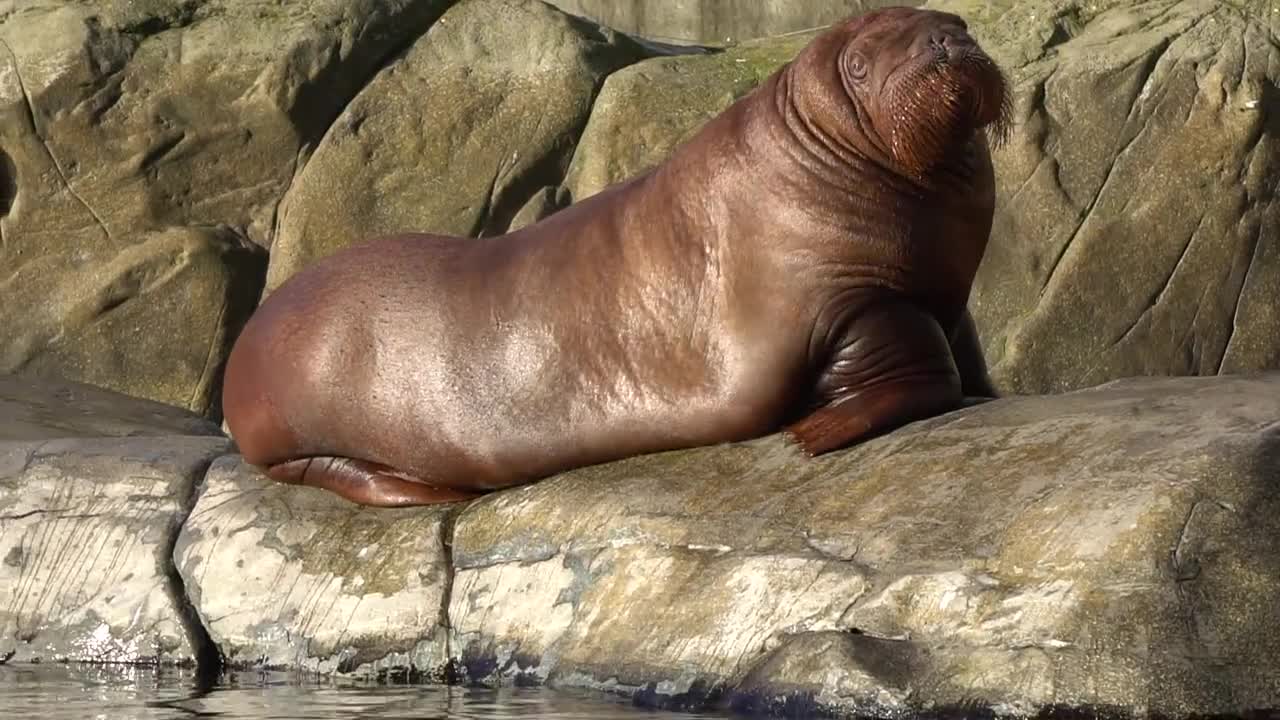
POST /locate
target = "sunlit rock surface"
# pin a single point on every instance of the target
(288, 577)
(1138, 224)
(714, 21)
(144, 150)
(479, 116)
(1116, 548)
(93, 489)
(151, 153)
(1112, 547)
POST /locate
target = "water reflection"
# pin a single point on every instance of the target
(59, 692)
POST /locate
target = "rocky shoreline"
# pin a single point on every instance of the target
(1114, 547)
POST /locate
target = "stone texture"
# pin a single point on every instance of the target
(289, 577)
(714, 21)
(1112, 547)
(153, 318)
(457, 136)
(645, 110)
(93, 487)
(42, 409)
(129, 131)
(1138, 230)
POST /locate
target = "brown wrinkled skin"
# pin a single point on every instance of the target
(802, 263)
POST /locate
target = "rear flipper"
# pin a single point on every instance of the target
(891, 365)
(364, 482)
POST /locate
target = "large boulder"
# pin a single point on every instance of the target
(93, 488)
(143, 147)
(1138, 230)
(471, 124)
(1116, 548)
(645, 110)
(154, 317)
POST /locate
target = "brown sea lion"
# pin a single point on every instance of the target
(802, 263)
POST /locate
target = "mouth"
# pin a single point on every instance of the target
(977, 84)
(948, 92)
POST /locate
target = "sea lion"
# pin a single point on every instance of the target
(802, 263)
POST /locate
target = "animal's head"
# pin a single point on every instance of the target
(920, 85)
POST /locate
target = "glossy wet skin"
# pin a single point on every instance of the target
(802, 263)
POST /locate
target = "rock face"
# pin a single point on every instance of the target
(320, 584)
(142, 145)
(93, 488)
(1139, 225)
(647, 109)
(713, 21)
(455, 138)
(1115, 548)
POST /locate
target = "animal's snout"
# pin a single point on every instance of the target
(949, 43)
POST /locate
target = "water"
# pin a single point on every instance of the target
(61, 692)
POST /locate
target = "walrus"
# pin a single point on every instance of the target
(801, 264)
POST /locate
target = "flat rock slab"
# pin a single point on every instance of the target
(34, 410)
(1115, 547)
(292, 577)
(93, 488)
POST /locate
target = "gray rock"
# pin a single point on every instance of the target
(93, 487)
(1138, 229)
(154, 319)
(457, 136)
(32, 411)
(1112, 547)
(290, 577)
(713, 21)
(645, 110)
(128, 130)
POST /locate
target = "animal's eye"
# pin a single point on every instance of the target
(856, 65)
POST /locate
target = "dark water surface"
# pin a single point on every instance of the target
(61, 692)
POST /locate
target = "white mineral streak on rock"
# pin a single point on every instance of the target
(530, 606)
(84, 529)
(317, 579)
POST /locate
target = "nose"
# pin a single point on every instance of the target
(949, 43)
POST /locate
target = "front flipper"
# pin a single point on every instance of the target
(966, 349)
(889, 366)
(363, 482)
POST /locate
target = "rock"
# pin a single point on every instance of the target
(479, 116)
(709, 21)
(1138, 230)
(93, 487)
(319, 584)
(645, 110)
(154, 318)
(123, 120)
(33, 411)
(1115, 547)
